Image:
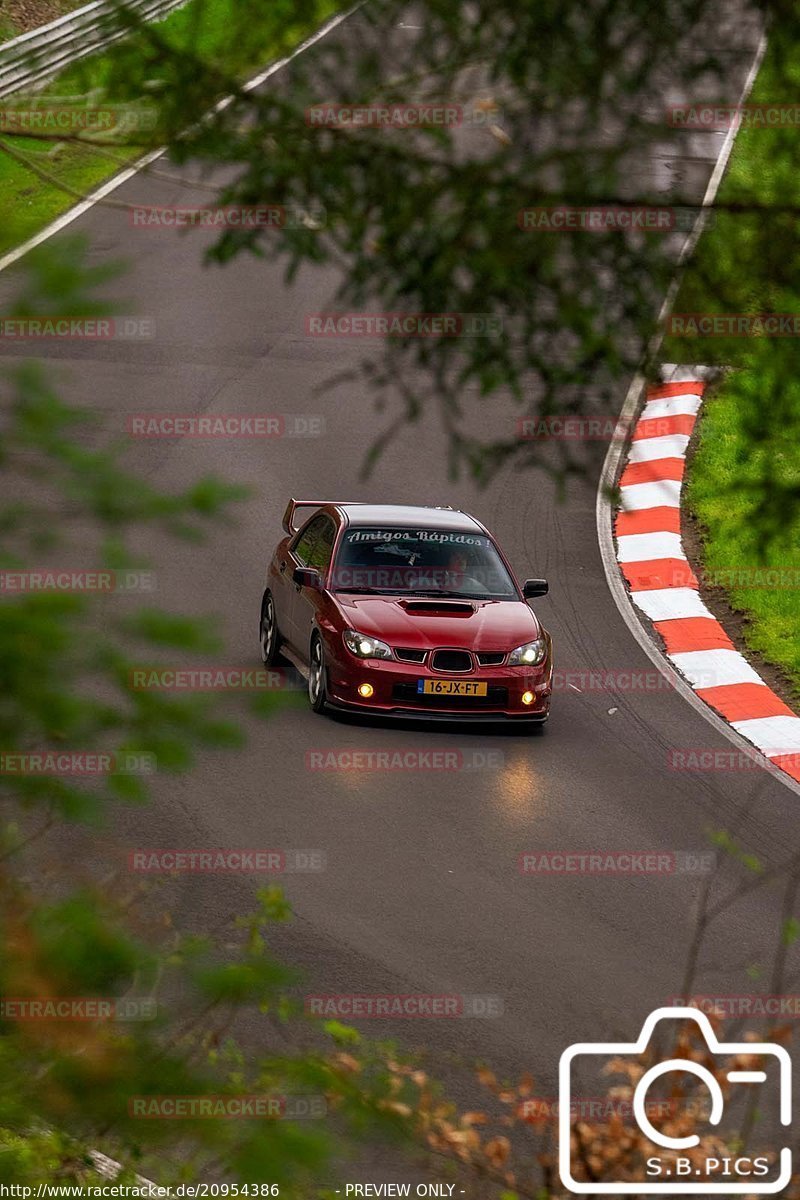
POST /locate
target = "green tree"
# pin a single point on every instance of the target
(429, 220)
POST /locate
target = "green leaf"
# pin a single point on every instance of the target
(790, 931)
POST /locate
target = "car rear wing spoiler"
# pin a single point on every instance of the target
(292, 507)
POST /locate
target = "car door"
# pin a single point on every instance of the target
(312, 548)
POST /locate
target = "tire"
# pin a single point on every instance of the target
(316, 675)
(268, 632)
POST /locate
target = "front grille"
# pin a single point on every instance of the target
(451, 660)
(407, 695)
(411, 656)
(492, 659)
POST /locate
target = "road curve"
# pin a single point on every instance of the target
(422, 891)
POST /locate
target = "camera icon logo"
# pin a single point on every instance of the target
(676, 1174)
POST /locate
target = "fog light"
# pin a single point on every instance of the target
(528, 697)
(365, 690)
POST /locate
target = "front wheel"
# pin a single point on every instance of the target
(316, 675)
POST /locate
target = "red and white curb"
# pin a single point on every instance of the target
(663, 586)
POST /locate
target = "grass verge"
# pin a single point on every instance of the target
(743, 483)
(41, 179)
(759, 575)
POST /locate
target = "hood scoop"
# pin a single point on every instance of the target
(438, 608)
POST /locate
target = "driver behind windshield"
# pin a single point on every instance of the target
(421, 562)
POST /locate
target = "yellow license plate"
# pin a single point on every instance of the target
(451, 687)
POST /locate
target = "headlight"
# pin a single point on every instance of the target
(365, 647)
(529, 655)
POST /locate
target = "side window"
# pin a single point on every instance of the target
(314, 546)
(307, 540)
(320, 554)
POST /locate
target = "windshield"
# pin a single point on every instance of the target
(421, 562)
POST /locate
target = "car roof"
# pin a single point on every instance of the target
(402, 515)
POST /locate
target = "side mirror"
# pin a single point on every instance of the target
(535, 587)
(306, 577)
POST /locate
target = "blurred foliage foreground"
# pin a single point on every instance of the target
(414, 223)
(67, 1087)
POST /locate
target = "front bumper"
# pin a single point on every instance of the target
(395, 693)
(484, 717)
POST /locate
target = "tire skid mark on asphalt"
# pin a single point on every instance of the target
(663, 586)
(578, 634)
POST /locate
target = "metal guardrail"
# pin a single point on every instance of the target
(31, 59)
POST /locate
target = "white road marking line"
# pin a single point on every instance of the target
(117, 181)
(78, 210)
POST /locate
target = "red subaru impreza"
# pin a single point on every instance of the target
(405, 611)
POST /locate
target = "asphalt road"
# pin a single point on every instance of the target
(422, 891)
